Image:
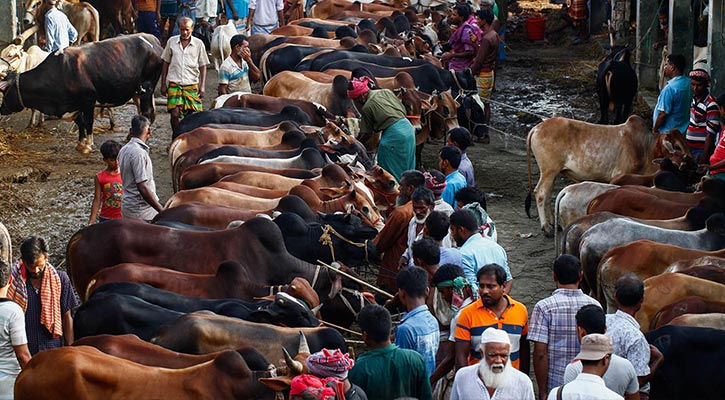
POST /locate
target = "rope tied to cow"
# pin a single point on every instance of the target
(326, 240)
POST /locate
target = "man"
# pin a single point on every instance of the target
(470, 198)
(717, 160)
(183, 72)
(704, 117)
(461, 138)
(484, 65)
(494, 376)
(553, 325)
(381, 111)
(46, 296)
(620, 376)
(423, 202)
(418, 330)
(335, 364)
(139, 199)
(392, 240)
(148, 17)
(235, 71)
(14, 353)
(449, 158)
(672, 109)
(436, 182)
(495, 309)
(579, 14)
(206, 13)
(475, 250)
(595, 356)
(437, 227)
(385, 371)
(265, 15)
(623, 328)
(426, 254)
(462, 50)
(59, 33)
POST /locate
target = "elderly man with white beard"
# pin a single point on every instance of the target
(493, 377)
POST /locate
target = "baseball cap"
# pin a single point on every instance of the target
(595, 347)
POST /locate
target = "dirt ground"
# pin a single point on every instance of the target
(46, 187)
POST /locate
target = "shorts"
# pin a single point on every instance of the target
(484, 83)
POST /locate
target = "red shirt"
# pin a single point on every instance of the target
(718, 154)
(111, 193)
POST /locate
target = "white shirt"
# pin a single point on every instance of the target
(467, 386)
(206, 9)
(629, 342)
(443, 207)
(620, 376)
(265, 11)
(12, 333)
(586, 387)
(235, 77)
(414, 235)
(184, 63)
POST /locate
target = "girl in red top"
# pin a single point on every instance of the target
(108, 186)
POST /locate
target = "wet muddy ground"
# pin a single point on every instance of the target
(46, 187)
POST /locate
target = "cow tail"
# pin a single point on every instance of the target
(96, 23)
(72, 243)
(172, 150)
(527, 202)
(559, 196)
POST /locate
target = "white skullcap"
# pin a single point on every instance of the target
(493, 335)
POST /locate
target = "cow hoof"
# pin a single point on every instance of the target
(548, 232)
(83, 148)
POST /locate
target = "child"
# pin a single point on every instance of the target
(109, 189)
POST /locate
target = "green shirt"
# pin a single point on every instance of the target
(390, 373)
(381, 110)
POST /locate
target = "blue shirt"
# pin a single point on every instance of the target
(59, 33)
(466, 169)
(418, 330)
(450, 256)
(455, 181)
(674, 100)
(476, 253)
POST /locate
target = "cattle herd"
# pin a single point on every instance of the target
(272, 188)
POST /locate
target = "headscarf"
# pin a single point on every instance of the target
(326, 363)
(442, 309)
(433, 184)
(358, 87)
(700, 75)
(311, 387)
(485, 224)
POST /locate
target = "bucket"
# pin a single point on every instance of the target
(535, 28)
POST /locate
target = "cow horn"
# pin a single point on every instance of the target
(293, 287)
(304, 348)
(295, 367)
(316, 309)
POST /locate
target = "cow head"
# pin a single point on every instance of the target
(341, 142)
(384, 187)
(293, 366)
(673, 145)
(443, 114)
(11, 95)
(10, 59)
(360, 204)
(286, 311)
(30, 9)
(413, 104)
(350, 239)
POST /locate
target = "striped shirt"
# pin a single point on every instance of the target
(553, 323)
(704, 121)
(476, 318)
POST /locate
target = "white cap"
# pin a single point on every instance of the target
(493, 335)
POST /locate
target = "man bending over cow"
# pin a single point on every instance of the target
(46, 296)
(59, 33)
(184, 72)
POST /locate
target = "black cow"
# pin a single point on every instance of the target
(285, 58)
(345, 31)
(285, 310)
(401, 23)
(108, 72)
(318, 63)
(692, 363)
(471, 115)
(304, 239)
(367, 24)
(242, 116)
(616, 86)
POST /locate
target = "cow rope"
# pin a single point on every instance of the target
(326, 240)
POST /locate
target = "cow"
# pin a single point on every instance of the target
(601, 238)
(688, 174)
(318, 115)
(317, 62)
(245, 116)
(309, 158)
(19, 60)
(707, 320)
(688, 305)
(332, 96)
(572, 201)
(685, 373)
(82, 15)
(220, 47)
(131, 348)
(202, 175)
(616, 87)
(109, 72)
(117, 13)
(258, 43)
(664, 289)
(6, 246)
(257, 244)
(331, 175)
(583, 151)
(327, 8)
(296, 30)
(284, 57)
(85, 373)
(204, 332)
(702, 262)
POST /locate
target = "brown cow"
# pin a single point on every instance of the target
(296, 30)
(84, 372)
(327, 8)
(583, 151)
(253, 191)
(205, 174)
(217, 196)
(332, 175)
(665, 289)
(708, 320)
(710, 273)
(294, 85)
(706, 261)
(258, 41)
(688, 305)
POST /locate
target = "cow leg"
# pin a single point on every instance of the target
(542, 193)
(84, 121)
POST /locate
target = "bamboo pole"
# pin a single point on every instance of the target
(358, 280)
(341, 328)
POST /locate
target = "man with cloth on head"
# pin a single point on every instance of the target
(494, 377)
(595, 356)
(704, 118)
(335, 364)
(381, 111)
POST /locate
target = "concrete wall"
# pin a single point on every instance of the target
(8, 21)
(716, 44)
(648, 59)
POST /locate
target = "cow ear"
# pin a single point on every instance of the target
(277, 384)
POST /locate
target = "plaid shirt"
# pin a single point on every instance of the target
(552, 322)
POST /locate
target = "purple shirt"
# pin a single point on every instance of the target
(39, 337)
(461, 42)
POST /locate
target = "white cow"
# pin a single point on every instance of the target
(220, 48)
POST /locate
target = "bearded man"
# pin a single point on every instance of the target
(494, 376)
(423, 201)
